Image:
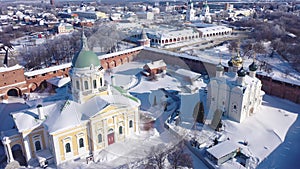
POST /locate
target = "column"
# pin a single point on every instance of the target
(105, 132)
(7, 148)
(116, 130)
(27, 148)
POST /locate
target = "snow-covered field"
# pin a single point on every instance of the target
(265, 131)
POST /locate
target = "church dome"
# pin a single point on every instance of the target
(253, 66)
(220, 67)
(237, 60)
(242, 72)
(85, 58)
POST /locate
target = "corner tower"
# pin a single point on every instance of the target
(86, 74)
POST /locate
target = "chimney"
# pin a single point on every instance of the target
(40, 112)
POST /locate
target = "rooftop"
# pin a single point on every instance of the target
(222, 149)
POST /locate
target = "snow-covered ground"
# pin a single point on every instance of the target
(264, 131)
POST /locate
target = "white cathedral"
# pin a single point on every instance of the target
(93, 116)
(191, 13)
(234, 94)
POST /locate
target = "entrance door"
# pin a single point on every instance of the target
(18, 155)
(111, 138)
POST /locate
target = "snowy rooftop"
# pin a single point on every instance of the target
(188, 73)
(120, 52)
(214, 29)
(166, 32)
(59, 81)
(67, 113)
(156, 64)
(46, 70)
(222, 149)
(5, 69)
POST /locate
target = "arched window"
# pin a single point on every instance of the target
(81, 143)
(37, 145)
(99, 138)
(120, 130)
(77, 84)
(86, 85)
(95, 84)
(130, 124)
(68, 147)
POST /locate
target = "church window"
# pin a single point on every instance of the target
(99, 138)
(120, 130)
(95, 84)
(86, 85)
(77, 84)
(130, 124)
(81, 143)
(213, 99)
(68, 147)
(100, 81)
(37, 145)
(234, 107)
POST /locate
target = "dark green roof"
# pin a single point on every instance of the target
(86, 59)
(253, 66)
(242, 72)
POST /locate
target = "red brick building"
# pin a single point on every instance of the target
(12, 81)
(155, 67)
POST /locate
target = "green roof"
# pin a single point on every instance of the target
(86, 59)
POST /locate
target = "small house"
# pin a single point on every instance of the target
(222, 152)
(154, 68)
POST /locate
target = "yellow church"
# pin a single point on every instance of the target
(92, 117)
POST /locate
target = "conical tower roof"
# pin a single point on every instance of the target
(85, 58)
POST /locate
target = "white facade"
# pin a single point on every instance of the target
(190, 13)
(86, 81)
(205, 15)
(234, 93)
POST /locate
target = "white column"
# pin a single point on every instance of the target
(116, 128)
(27, 148)
(7, 148)
(105, 132)
(137, 121)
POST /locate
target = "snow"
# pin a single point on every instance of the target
(264, 131)
(188, 103)
(156, 64)
(278, 65)
(46, 70)
(222, 149)
(261, 130)
(120, 52)
(59, 81)
(15, 67)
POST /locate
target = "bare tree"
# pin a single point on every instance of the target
(157, 157)
(178, 158)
